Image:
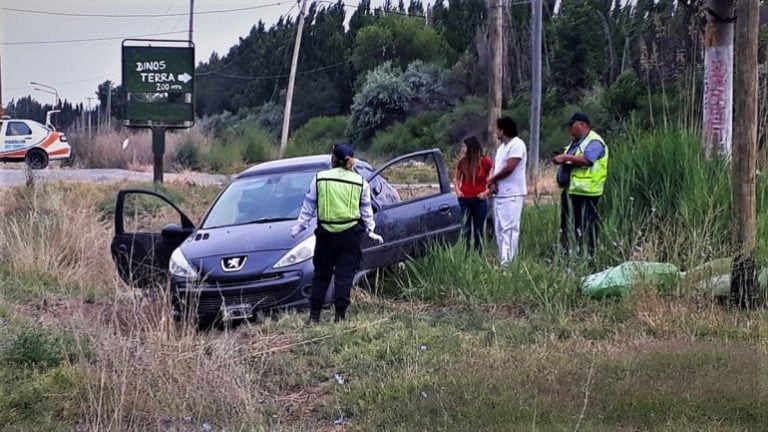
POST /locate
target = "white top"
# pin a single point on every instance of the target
(515, 183)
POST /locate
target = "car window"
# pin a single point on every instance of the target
(268, 197)
(18, 128)
(406, 181)
(144, 213)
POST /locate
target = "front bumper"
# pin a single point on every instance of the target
(285, 289)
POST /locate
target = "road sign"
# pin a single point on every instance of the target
(158, 89)
(158, 69)
(158, 83)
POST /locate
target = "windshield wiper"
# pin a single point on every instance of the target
(268, 220)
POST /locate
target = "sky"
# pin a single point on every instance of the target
(75, 69)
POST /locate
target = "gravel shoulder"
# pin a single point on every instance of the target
(14, 177)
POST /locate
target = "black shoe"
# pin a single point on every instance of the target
(314, 317)
(340, 315)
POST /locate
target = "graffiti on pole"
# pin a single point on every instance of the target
(718, 99)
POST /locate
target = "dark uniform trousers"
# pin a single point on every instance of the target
(337, 255)
(582, 211)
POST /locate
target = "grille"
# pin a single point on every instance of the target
(241, 281)
(213, 303)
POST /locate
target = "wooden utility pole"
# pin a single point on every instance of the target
(109, 105)
(744, 167)
(2, 107)
(718, 77)
(291, 81)
(191, 17)
(496, 70)
(89, 116)
(536, 30)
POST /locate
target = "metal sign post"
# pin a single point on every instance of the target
(158, 89)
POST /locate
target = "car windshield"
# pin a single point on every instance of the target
(261, 199)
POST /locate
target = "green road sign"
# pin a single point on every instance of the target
(158, 69)
(158, 83)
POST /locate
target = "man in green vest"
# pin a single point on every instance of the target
(581, 174)
(340, 198)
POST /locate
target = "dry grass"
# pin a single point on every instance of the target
(48, 230)
(658, 362)
(105, 150)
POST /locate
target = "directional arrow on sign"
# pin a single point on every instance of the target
(185, 77)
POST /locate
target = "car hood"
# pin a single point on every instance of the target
(240, 239)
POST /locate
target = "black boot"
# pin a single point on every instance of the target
(314, 316)
(340, 314)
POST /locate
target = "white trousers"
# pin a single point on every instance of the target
(507, 212)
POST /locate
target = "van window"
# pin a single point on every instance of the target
(17, 129)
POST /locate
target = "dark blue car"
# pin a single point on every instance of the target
(241, 257)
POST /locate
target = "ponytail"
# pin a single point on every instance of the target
(348, 163)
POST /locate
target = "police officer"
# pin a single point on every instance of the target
(341, 200)
(582, 173)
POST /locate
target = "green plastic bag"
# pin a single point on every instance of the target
(620, 280)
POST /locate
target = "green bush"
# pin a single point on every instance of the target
(187, 156)
(416, 133)
(318, 136)
(37, 347)
(246, 142)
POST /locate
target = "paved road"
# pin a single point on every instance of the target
(13, 177)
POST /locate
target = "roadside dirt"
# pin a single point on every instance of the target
(17, 177)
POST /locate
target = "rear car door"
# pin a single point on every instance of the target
(18, 135)
(414, 207)
(148, 228)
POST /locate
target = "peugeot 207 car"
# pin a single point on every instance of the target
(241, 257)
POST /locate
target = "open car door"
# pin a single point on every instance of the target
(148, 228)
(414, 207)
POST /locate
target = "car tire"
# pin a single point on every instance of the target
(37, 159)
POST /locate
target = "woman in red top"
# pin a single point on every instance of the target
(470, 180)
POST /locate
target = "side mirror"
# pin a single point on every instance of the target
(376, 189)
(175, 231)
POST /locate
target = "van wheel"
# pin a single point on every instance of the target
(36, 159)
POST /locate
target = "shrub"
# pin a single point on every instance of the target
(36, 347)
(382, 101)
(187, 156)
(317, 136)
(416, 133)
(246, 142)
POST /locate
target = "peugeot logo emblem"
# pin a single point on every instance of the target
(233, 264)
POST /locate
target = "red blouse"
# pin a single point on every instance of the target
(471, 188)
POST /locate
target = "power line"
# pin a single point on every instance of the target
(331, 66)
(167, 11)
(83, 15)
(90, 39)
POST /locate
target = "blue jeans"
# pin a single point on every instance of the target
(473, 212)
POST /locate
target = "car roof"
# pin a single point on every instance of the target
(304, 163)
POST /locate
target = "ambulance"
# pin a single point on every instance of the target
(31, 142)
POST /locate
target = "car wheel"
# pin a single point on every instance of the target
(37, 159)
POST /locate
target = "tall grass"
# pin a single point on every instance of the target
(665, 201)
(664, 195)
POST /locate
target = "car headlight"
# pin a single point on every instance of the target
(302, 252)
(180, 266)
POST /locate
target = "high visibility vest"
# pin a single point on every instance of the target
(338, 199)
(589, 180)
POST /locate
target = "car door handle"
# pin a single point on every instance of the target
(444, 209)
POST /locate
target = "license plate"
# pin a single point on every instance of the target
(233, 312)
